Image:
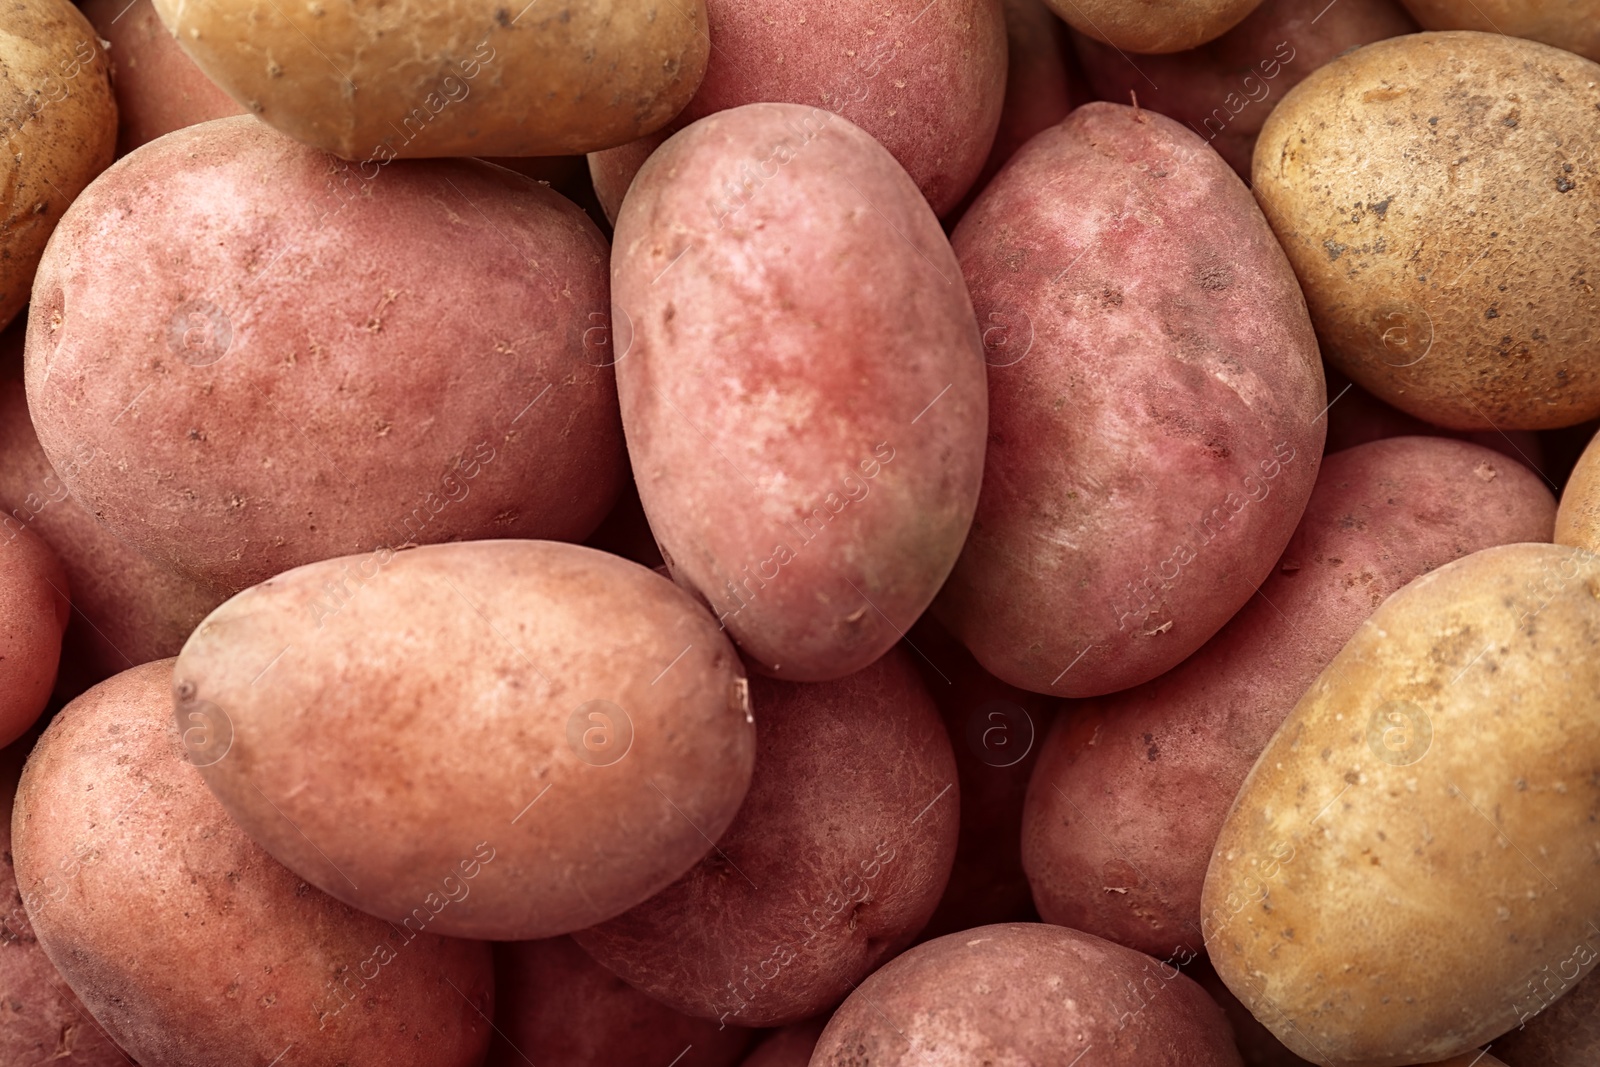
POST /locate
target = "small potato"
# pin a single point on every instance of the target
(191, 945)
(272, 368)
(803, 396)
(1436, 194)
(511, 739)
(376, 82)
(60, 125)
(789, 1047)
(1154, 389)
(1561, 1027)
(1154, 26)
(1026, 993)
(1411, 854)
(34, 610)
(1570, 24)
(835, 861)
(556, 1007)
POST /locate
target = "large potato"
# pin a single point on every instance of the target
(1153, 25)
(1026, 993)
(60, 125)
(191, 945)
(1436, 194)
(272, 368)
(391, 725)
(803, 396)
(378, 81)
(1132, 789)
(1154, 389)
(1570, 24)
(34, 610)
(1560, 1024)
(833, 864)
(1416, 845)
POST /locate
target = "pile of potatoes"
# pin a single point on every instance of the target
(1044, 533)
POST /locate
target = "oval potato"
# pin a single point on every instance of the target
(1154, 26)
(1573, 25)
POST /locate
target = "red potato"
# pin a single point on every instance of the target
(1154, 389)
(34, 610)
(789, 1047)
(809, 464)
(833, 864)
(1131, 790)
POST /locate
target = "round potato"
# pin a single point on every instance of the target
(835, 861)
(809, 463)
(191, 945)
(788, 1047)
(598, 725)
(1154, 389)
(1154, 25)
(60, 124)
(556, 1007)
(34, 610)
(1436, 194)
(1561, 1027)
(273, 369)
(1578, 521)
(377, 82)
(1412, 853)
(1026, 993)
(1570, 24)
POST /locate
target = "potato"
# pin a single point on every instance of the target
(34, 609)
(1224, 90)
(270, 374)
(1256, 1044)
(1570, 24)
(833, 864)
(1578, 521)
(60, 123)
(1026, 993)
(1154, 390)
(188, 942)
(376, 82)
(788, 1047)
(1410, 856)
(584, 676)
(1154, 26)
(556, 1007)
(1436, 194)
(809, 463)
(1565, 1032)
(158, 87)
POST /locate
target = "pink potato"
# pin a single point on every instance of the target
(192, 946)
(34, 609)
(1224, 90)
(802, 388)
(277, 358)
(833, 864)
(1131, 790)
(556, 1007)
(789, 1047)
(926, 78)
(1154, 391)
(1026, 993)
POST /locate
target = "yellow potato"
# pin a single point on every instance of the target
(1578, 520)
(1154, 25)
(1570, 24)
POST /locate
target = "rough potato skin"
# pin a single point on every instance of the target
(479, 676)
(1413, 851)
(1132, 789)
(835, 861)
(1026, 993)
(60, 124)
(1436, 194)
(34, 609)
(380, 81)
(191, 945)
(1565, 1034)
(1154, 391)
(274, 374)
(556, 1007)
(1225, 89)
(1578, 520)
(1154, 26)
(1570, 24)
(789, 1047)
(808, 453)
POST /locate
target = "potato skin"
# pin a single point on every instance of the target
(808, 463)
(581, 673)
(1371, 897)
(559, 1008)
(1566, 1033)
(1154, 390)
(1469, 320)
(1131, 790)
(1573, 25)
(1154, 26)
(1578, 520)
(1042, 84)
(60, 124)
(1026, 993)
(450, 79)
(274, 374)
(191, 945)
(854, 804)
(34, 609)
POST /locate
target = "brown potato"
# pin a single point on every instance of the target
(1570, 24)
(1578, 520)
(789, 1047)
(1154, 25)
(833, 864)
(1562, 1031)
(191, 945)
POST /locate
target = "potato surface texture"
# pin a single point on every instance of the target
(1573, 25)
(34, 609)
(558, 728)
(1413, 850)
(808, 453)
(191, 945)
(1154, 392)
(1154, 26)
(1437, 195)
